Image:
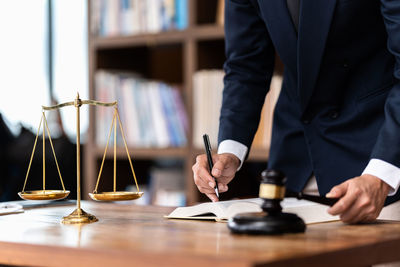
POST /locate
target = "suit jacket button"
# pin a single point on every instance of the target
(334, 114)
(306, 121)
(345, 65)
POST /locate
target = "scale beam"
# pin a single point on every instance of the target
(82, 102)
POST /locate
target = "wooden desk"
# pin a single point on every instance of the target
(128, 235)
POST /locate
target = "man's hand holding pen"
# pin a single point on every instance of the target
(224, 169)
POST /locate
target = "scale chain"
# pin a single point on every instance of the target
(114, 125)
(45, 129)
(104, 155)
(33, 153)
(54, 153)
(127, 152)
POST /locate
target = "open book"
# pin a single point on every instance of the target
(309, 211)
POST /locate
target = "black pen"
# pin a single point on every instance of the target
(317, 199)
(207, 147)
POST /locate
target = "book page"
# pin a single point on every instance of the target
(222, 210)
(197, 210)
(309, 211)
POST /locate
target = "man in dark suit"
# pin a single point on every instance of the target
(337, 120)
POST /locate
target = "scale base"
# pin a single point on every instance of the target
(262, 224)
(79, 216)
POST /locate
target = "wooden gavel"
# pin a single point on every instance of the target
(273, 187)
(273, 221)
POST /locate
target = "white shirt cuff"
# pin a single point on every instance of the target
(234, 147)
(385, 171)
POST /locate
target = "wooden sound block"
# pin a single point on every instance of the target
(262, 224)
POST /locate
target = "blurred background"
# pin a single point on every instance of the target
(162, 60)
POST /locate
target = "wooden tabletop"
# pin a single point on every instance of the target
(129, 235)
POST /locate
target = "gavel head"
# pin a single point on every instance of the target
(272, 191)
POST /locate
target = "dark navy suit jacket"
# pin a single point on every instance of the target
(340, 100)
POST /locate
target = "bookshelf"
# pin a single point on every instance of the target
(171, 56)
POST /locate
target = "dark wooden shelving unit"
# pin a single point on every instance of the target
(171, 56)
(203, 32)
(145, 153)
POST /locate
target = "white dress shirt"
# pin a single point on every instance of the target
(385, 171)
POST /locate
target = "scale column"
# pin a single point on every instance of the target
(44, 157)
(115, 149)
(78, 215)
(78, 152)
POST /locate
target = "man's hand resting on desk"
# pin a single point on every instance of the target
(225, 166)
(361, 199)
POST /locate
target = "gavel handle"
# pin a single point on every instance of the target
(317, 199)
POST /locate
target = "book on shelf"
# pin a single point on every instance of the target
(167, 186)
(152, 113)
(207, 100)
(142, 201)
(220, 18)
(130, 17)
(263, 135)
(309, 211)
(181, 7)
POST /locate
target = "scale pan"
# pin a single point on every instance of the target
(44, 194)
(115, 196)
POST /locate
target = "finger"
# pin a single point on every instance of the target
(223, 168)
(338, 191)
(223, 179)
(201, 160)
(370, 208)
(222, 187)
(369, 218)
(203, 177)
(361, 218)
(206, 190)
(200, 182)
(354, 214)
(213, 197)
(202, 163)
(343, 204)
(218, 167)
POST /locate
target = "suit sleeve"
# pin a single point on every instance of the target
(248, 70)
(387, 147)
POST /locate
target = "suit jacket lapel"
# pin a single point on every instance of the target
(315, 21)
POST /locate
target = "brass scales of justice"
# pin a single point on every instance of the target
(79, 216)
